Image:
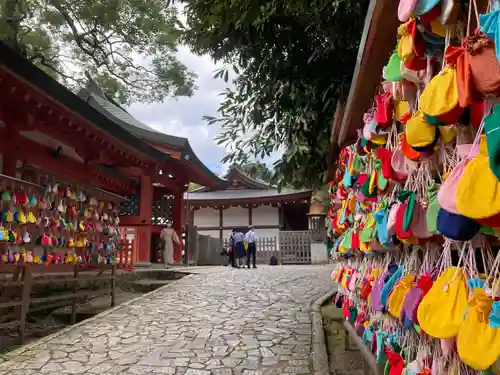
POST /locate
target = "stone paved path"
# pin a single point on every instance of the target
(241, 322)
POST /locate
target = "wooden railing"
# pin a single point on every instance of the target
(18, 282)
(127, 256)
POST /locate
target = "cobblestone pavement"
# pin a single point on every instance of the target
(241, 322)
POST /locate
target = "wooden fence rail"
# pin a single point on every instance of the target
(16, 300)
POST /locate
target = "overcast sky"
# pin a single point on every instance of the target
(183, 116)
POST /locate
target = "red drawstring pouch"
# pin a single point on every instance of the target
(400, 215)
(396, 363)
(385, 156)
(383, 115)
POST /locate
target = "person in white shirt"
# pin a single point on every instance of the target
(250, 238)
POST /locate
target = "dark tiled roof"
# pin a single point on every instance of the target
(245, 194)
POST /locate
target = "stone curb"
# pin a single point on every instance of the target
(319, 353)
(6, 357)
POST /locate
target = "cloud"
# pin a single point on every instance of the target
(183, 116)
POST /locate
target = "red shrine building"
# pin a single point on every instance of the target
(48, 131)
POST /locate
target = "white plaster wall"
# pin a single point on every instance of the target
(265, 215)
(206, 217)
(211, 233)
(235, 217)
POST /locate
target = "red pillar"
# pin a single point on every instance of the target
(144, 227)
(178, 219)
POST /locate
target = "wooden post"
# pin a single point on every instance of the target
(221, 223)
(113, 285)
(25, 301)
(75, 297)
(250, 215)
(177, 217)
(143, 239)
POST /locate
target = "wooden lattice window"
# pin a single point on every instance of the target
(131, 207)
(162, 210)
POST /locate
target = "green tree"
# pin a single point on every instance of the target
(127, 46)
(294, 60)
(257, 170)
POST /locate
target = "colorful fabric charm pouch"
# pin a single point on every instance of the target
(455, 226)
(383, 115)
(392, 219)
(489, 26)
(405, 9)
(407, 197)
(381, 355)
(388, 288)
(440, 96)
(440, 313)
(398, 295)
(478, 345)
(367, 233)
(492, 131)
(484, 65)
(432, 208)
(418, 223)
(401, 165)
(408, 151)
(376, 292)
(478, 191)
(414, 297)
(465, 88)
(448, 191)
(400, 217)
(381, 224)
(419, 133)
(392, 71)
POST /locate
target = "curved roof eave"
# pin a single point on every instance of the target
(33, 76)
(144, 132)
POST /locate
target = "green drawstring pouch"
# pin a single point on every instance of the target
(393, 68)
(407, 196)
(347, 241)
(367, 233)
(492, 131)
(382, 182)
(432, 208)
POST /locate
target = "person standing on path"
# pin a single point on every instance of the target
(169, 237)
(250, 238)
(238, 247)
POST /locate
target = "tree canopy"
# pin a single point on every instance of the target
(257, 170)
(127, 46)
(293, 59)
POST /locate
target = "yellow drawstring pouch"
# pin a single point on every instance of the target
(478, 345)
(405, 44)
(399, 293)
(478, 191)
(379, 139)
(440, 96)
(419, 133)
(447, 133)
(401, 108)
(441, 312)
(365, 247)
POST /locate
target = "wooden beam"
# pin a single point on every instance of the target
(377, 42)
(39, 155)
(62, 120)
(231, 227)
